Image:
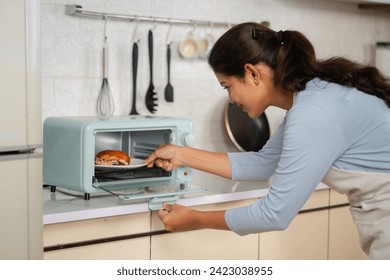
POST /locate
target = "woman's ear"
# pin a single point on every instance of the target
(251, 72)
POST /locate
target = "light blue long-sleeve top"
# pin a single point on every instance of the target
(328, 126)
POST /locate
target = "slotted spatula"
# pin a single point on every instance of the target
(150, 97)
(169, 89)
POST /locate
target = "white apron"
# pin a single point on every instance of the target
(369, 196)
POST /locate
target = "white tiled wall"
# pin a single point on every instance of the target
(72, 60)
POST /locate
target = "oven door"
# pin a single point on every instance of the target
(140, 183)
(156, 191)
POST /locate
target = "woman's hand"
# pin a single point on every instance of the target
(169, 157)
(165, 157)
(176, 217)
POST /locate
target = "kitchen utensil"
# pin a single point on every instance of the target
(204, 45)
(169, 89)
(150, 97)
(188, 48)
(246, 134)
(105, 103)
(135, 67)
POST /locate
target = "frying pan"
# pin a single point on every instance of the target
(246, 134)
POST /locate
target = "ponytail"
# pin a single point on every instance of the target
(367, 79)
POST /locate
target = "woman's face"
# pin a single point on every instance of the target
(251, 93)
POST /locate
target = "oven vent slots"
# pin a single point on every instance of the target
(143, 150)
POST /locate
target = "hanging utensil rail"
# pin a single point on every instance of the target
(77, 10)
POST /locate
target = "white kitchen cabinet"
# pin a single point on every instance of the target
(90, 239)
(119, 237)
(21, 220)
(205, 243)
(343, 235)
(316, 233)
(14, 210)
(305, 238)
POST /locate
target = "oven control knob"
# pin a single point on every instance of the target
(187, 139)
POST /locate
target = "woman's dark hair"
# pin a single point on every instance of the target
(292, 57)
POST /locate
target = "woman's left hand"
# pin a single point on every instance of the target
(176, 217)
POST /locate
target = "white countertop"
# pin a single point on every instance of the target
(66, 206)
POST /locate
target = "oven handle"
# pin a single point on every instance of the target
(156, 200)
(156, 203)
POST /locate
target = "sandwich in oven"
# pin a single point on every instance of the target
(112, 157)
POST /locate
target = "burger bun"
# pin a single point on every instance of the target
(112, 157)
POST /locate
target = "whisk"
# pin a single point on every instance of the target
(105, 103)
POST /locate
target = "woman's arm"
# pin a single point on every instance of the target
(177, 217)
(170, 157)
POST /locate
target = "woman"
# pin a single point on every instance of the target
(336, 130)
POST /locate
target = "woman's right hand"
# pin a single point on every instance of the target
(169, 157)
(165, 157)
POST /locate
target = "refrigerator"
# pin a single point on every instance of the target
(21, 218)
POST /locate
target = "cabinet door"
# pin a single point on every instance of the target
(343, 235)
(95, 238)
(205, 243)
(305, 238)
(21, 208)
(13, 209)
